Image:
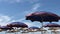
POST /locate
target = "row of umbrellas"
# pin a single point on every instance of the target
(16, 24)
(41, 16)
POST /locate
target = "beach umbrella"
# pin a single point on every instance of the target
(33, 29)
(5, 28)
(17, 25)
(52, 26)
(43, 16)
(0, 29)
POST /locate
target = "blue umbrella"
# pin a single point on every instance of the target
(33, 27)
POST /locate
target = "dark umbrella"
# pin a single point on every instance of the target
(5, 28)
(17, 24)
(43, 17)
(0, 29)
(52, 26)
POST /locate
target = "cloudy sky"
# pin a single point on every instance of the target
(16, 10)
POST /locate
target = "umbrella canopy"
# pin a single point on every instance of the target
(52, 25)
(42, 16)
(33, 27)
(5, 28)
(17, 24)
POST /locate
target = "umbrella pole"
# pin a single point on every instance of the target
(42, 24)
(33, 32)
(55, 31)
(50, 22)
(42, 28)
(15, 29)
(5, 32)
(51, 32)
